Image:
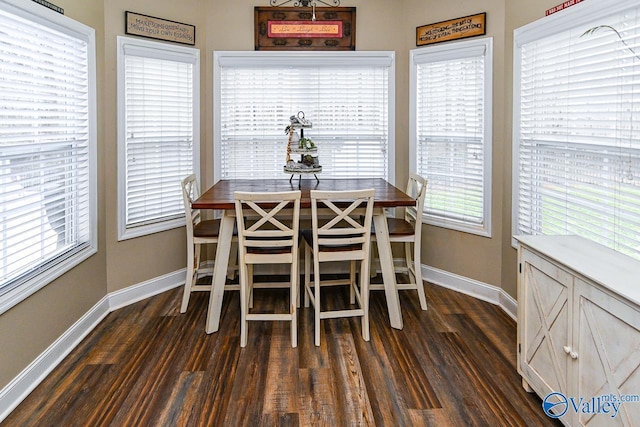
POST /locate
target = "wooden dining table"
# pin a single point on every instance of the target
(220, 197)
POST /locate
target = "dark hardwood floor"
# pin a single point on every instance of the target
(148, 365)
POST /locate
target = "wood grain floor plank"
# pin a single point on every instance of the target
(384, 396)
(180, 407)
(350, 389)
(74, 401)
(129, 372)
(491, 403)
(280, 420)
(137, 406)
(215, 395)
(431, 418)
(281, 394)
(497, 366)
(456, 396)
(316, 397)
(248, 386)
(310, 356)
(114, 342)
(412, 384)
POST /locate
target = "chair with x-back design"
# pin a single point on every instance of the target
(408, 231)
(339, 236)
(267, 234)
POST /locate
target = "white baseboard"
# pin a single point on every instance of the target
(23, 384)
(155, 286)
(474, 288)
(20, 387)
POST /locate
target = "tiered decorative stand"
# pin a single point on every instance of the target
(305, 148)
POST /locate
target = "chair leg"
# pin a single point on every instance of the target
(316, 296)
(364, 298)
(307, 274)
(300, 284)
(232, 270)
(418, 275)
(250, 284)
(352, 282)
(193, 259)
(408, 260)
(244, 305)
(294, 301)
(372, 264)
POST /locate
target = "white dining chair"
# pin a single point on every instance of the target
(268, 233)
(339, 236)
(199, 232)
(408, 230)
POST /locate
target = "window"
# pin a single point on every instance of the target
(576, 125)
(158, 133)
(450, 134)
(47, 148)
(348, 97)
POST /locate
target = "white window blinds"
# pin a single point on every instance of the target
(346, 97)
(452, 92)
(576, 133)
(159, 103)
(47, 149)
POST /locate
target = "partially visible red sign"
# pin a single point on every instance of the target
(306, 29)
(561, 6)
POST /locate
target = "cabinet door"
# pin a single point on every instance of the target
(608, 356)
(543, 323)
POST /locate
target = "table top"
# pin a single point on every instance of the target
(220, 196)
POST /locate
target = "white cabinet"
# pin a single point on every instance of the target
(579, 329)
(543, 323)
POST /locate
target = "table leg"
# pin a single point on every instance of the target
(220, 266)
(386, 265)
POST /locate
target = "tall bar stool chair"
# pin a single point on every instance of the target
(409, 231)
(199, 232)
(339, 236)
(264, 238)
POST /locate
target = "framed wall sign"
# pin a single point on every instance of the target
(51, 6)
(562, 6)
(459, 28)
(161, 29)
(292, 28)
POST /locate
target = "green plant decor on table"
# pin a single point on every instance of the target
(306, 143)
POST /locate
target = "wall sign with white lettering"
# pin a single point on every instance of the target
(51, 6)
(161, 29)
(453, 29)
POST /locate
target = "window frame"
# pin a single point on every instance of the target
(573, 17)
(278, 58)
(54, 268)
(155, 49)
(418, 56)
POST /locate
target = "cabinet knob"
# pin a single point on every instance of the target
(573, 355)
(567, 349)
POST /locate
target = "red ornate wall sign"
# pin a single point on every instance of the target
(304, 29)
(293, 28)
